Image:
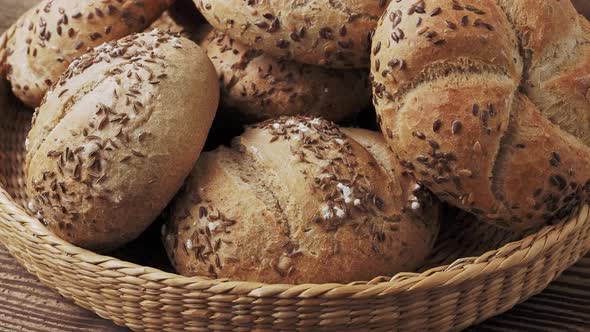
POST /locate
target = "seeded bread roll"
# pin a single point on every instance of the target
(451, 104)
(297, 200)
(54, 33)
(260, 87)
(256, 86)
(117, 136)
(328, 33)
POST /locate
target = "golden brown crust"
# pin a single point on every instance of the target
(333, 33)
(298, 200)
(56, 32)
(555, 43)
(455, 116)
(411, 48)
(117, 135)
(260, 87)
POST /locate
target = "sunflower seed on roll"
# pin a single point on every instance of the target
(299, 200)
(117, 135)
(55, 32)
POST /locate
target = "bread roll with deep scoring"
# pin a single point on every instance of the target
(51, 35)
(487, 104)
(117, 136)
(298, 200)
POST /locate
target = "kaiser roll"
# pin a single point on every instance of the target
(260, 87)
(487, 103)
(298, 200)
(328, 33)
(51, 35)
(117, 135)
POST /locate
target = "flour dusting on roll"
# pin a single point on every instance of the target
(299, 200)
(482, 104)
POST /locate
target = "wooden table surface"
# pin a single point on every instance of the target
(27, 305)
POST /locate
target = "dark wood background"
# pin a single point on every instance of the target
(27, 305)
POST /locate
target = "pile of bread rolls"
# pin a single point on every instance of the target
(484, 105)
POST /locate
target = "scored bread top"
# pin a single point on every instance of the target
(51, 35)
(414, 44)
(555, 45)
(117, 135)
(451, 99)
(298, 200)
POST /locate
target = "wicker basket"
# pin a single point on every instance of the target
(477, 271)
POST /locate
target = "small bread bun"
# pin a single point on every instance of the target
(117, 136)
(54, 33)
(261, 87)
(328, 33)
(298, 200)
(256, 86)
(488, 106)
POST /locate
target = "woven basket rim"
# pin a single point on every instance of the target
(434, 277)
(512, 254)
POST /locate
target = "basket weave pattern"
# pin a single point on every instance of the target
(501, 270)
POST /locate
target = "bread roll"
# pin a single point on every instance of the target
(117, 135)
(327, 33)
(297, 200)
(54, 33)
(260, 87)
(451, 103)
(255, 86)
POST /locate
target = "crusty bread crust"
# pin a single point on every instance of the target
(117, 135)
(452, 94)
(261, 87)
(298, 200)
(555, 44)
(256, 86)
(55, 32)
(327, 33)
